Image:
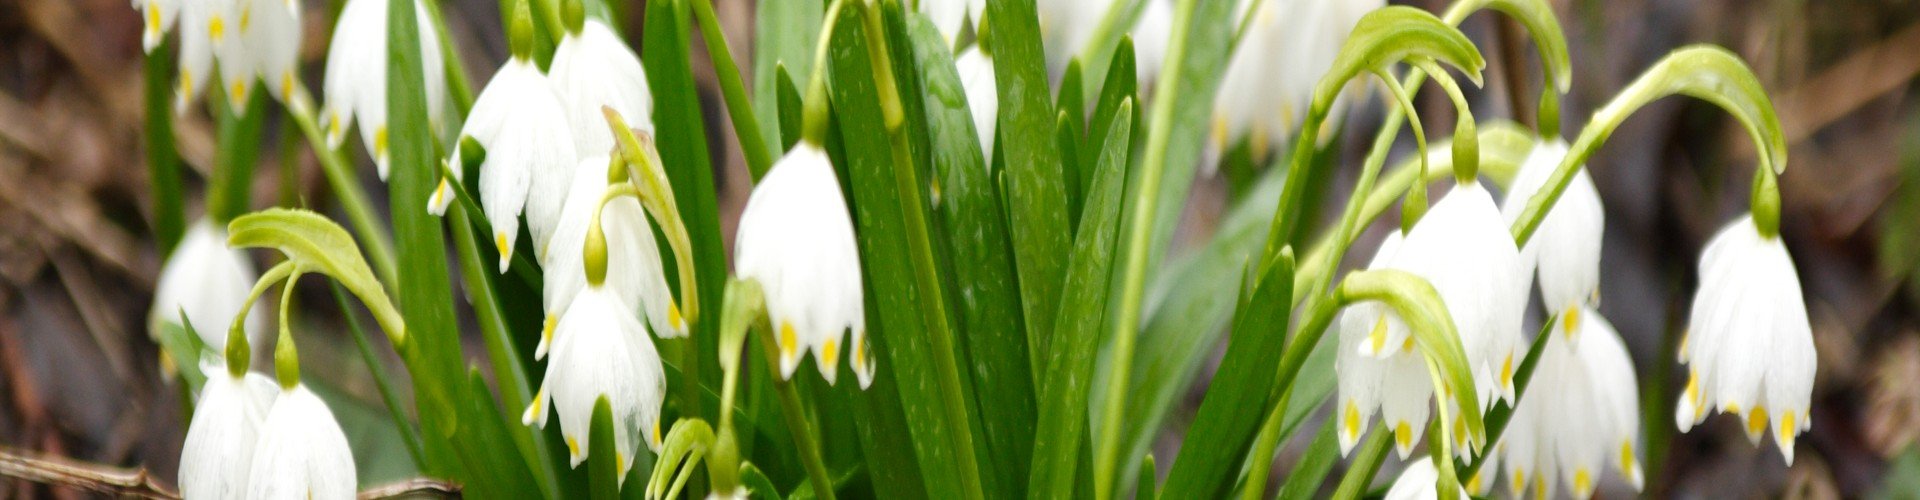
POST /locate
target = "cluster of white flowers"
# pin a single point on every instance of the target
(356, 78)
(1286, 49)
(252, 40)
(252, 439)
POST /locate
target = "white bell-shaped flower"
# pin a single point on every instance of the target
(1385, 381)
(1288, 47)
(264, 44)
(218, 453)
(1067, 26)
(356, 79)
(1749, 342)
(1584, 417)
(1419, 481)
(209, 282)
(157, 18)
(529, 156)
(634, 272)
(301, 454)
(600, 349)
(204, 25)
(591, 69)
(976, 78)
(1565, 249)
(796, 238)
(1463, 248)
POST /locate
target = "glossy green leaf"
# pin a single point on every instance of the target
(1058, 442)
(784, 34)
(969, 216)
(317, 244)
(1035, 192)
(509, 370)
(1120, 85)
(894, 297)
(179, 341)
(682, 142)
(1232, 409)
(1206, 46)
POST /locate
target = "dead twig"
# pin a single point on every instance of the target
(138, 483)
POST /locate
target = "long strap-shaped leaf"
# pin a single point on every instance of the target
(1035, 189)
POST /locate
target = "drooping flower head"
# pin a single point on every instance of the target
(209, 283)
(1269, 80)
(1584, 417)
(796, 239)
(263, 42)
(301, 454)
(157, 18)
(601, 350)
(634, 272)
(1374, 377)
(1748, 338)
(216, 459)
(204, 25)
(529, 146)
(356, 79)
(1463, 248)
(1566, 247)
(592, 68)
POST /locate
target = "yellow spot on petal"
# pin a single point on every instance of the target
(1582, 480)
(1378, 338)
(546, 329)
(286, 85)
(153, 16)
(380, 141)
(1459, 428)
(1627, 460)
(1787, 430)
(1684, 337)
(1407, 345)
(656, 432)
(673, 315)
(246, 17)
(216, 28)
(573, 446)
(333, 127)
(1693, 388)
(1571, 323)
(788, 341)
(1506, 371)
(1350, 424)
(1257, 140)
(830, 353)
(1539, 487)
(1473, 483)
(1403, 435)
(1757, 420)
(500, 243)
(186, 83)
(239, 90)
(860, 353)
(1731, 408)
(1519, 479)
(1220, 132)
(619, 461)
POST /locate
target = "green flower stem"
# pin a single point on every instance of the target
(509, 374)
(795, 414)
(163, 161)
(1705, 72)
(1139, 234)
(648, 183)
(286, 357)
(395, 409)
(547, 13)
(919, 238)
(746, 126)
(273, 275)
(813, 118)
(346, 186)
(1373, 451)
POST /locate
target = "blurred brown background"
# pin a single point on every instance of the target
(79, 378)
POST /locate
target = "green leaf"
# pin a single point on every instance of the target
(1119, 86)
(783, 40)
(1705, 72)
(602, 465)
(1147, 490)
(163, 161)
(756, 482)
(317, 244)
(788, 98)
(179, 341)
(982, 262)
(1236, 399)
(1067, 135)
(1304, 481)
(509, 370)
(1063, 409)
(682, 143)
(1035, 192)
(1207, 44)
(230, 190)
(740, 111)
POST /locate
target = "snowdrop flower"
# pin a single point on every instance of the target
(1066, 27)
(218, 453)
(1288, 47)
(529, 152)
(593, 68)
(600, 349)
(356, 80)
(1391, 381)
(1566, 247)
(157, 18)
(634, 271)
(1585, 419)
(1418, 482)
(264, 43)
(976, 78)
(209, 283)
(1463, 248)
(1749, 342)
(204, 25)
(301, 454)
(796, 239)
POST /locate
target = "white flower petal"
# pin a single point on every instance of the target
(634, 267)
(530, 156)
(602, 351)
(356, 76)
(1566, 247)
(947, 16)
(157, 17)
(595, 69)
(301, 454)
(977, 79)
(1463, 248)
(796, 239)
(1419, 481)
(218, 452)
(209, 282)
